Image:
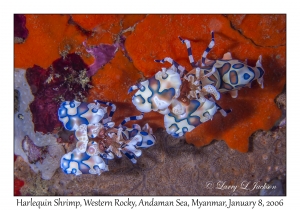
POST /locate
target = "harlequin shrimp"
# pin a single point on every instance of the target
(157, 92)
(190, 108)
(193, 104)
(185, 115)
(91, 121)
(224, 74)
(162, 93)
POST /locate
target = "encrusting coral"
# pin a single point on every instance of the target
(59, 36)
(269, 29)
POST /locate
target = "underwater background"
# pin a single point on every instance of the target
(98, 57)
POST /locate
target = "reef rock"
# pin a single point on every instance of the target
(173, 167)
(50, 161)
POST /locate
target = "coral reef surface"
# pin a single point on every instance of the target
(88, 57)
(40, 151)
(173, 167)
